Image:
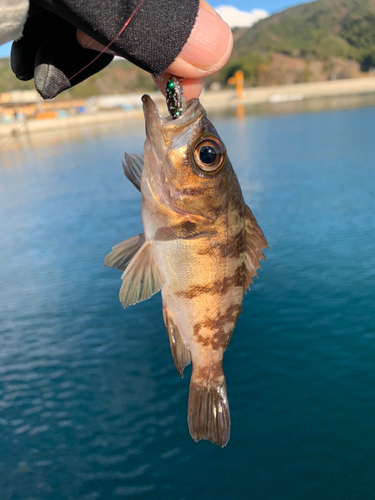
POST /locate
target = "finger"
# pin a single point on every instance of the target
(208, 48)
(192, 86)
(61, 63)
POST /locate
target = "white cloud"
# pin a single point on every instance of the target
(240, 19)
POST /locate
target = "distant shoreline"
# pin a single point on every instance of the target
(285, 93)
(212, 100)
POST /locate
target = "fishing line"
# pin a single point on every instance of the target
(110, 43)
(15, 132)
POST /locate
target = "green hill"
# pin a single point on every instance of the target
(322, 29)
(119, 77)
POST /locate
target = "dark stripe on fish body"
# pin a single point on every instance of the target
(217, 287)
(234, 247)
(219, 334)
(212, 372)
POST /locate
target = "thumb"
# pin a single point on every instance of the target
(208, 47)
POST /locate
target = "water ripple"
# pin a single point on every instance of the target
(91, 406)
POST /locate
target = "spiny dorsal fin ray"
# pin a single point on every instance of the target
(133, 169)
(123, 252)
(255, 242)
(180, 351)
(142, 277)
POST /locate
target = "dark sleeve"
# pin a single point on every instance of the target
(49, 52)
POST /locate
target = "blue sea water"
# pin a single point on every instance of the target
(91, 406)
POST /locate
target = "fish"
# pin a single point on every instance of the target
(201, 247)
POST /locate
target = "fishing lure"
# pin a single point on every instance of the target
(174, 95)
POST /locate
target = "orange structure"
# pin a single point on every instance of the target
(238, 79)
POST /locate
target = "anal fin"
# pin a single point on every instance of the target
(180, 351)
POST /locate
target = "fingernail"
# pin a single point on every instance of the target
(210, 43)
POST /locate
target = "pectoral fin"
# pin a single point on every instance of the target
(180, 351)
(255, 242)
(123, 252)
(133, 169)
(142, 277)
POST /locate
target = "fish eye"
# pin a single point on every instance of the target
(209, 155)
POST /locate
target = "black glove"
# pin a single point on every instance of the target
(49, 52)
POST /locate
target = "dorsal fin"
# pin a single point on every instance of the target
(255, 242)
(133, 169)
(123, 252)
(142, 277)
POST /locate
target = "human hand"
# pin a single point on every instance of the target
(163, 37)
(206, 51)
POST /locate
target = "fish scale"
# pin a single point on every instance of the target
(201, 247)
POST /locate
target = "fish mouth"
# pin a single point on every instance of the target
(167, 126)
(153, 118)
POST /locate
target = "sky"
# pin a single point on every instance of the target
(252, 10)
(270, 6)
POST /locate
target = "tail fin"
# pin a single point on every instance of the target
(208, 412)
